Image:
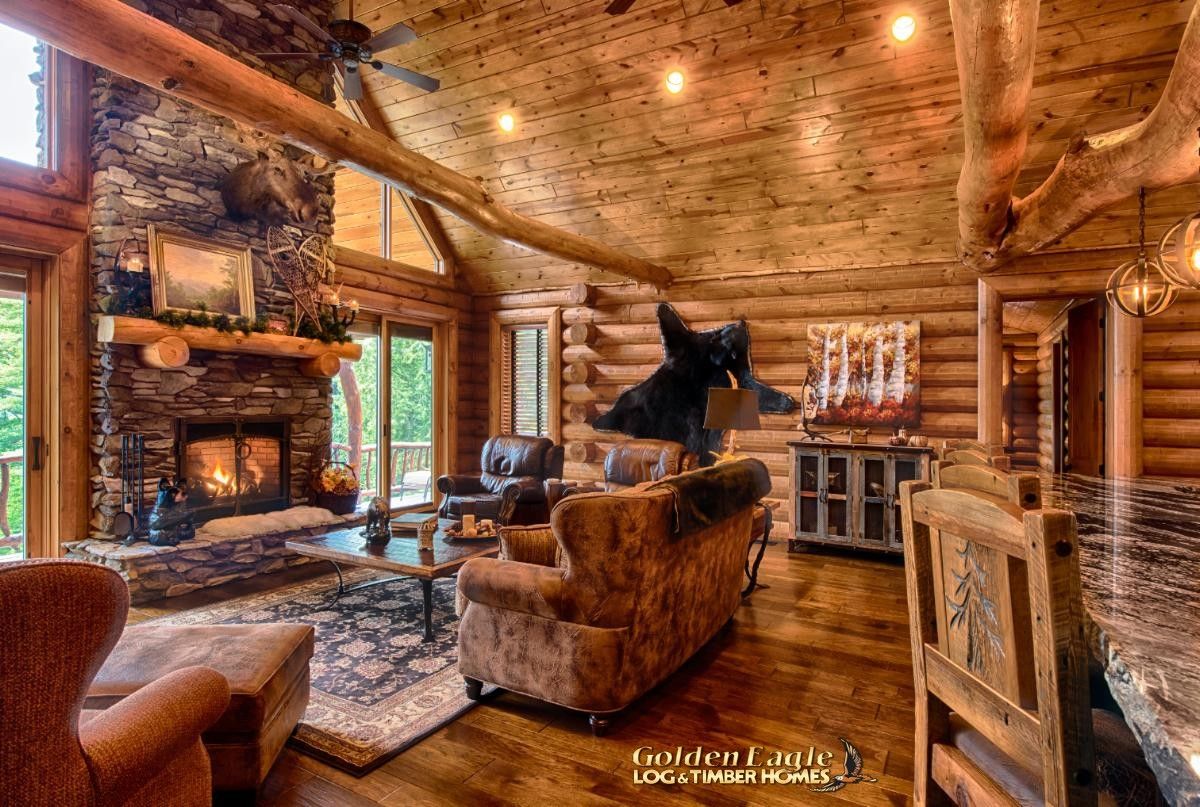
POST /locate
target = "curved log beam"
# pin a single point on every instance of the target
(119, 38)
(995, 43)
(1100, 170)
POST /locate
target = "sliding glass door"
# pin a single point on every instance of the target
(384, 418)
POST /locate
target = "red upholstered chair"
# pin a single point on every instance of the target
(60, 620)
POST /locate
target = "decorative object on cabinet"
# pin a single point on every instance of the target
(670, 404)
(866, 373)
(188, 273)
(730, 409)
(847, 494)
(808, 411)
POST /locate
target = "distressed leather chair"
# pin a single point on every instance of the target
(510, 485)
(999, 653)
(636, 461)
(614, 595)
(60, 619)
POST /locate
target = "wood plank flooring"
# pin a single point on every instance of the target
(822, 653)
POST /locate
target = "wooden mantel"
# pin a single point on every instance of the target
(163, 346)
(117, 37)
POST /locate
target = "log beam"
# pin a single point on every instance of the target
(1096, 172)
(995, 46)
(117, 37)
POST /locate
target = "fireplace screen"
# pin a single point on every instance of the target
(234, 467)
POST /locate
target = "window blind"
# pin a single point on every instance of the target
(529, 382)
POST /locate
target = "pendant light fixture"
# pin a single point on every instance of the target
(1138, 287)
(1179, 252)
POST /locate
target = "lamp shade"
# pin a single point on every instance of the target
(731, 409)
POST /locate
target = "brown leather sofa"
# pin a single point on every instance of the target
(60, 619)
(614, 595)
(636, 461)
(510, 485)
(267, 667)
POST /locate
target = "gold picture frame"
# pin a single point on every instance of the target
(187, 270)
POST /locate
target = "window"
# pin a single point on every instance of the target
(527, 392)
(379, 220)
(23, 63)
(526, 353)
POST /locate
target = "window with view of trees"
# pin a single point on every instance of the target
(526, 392)
(22, 59)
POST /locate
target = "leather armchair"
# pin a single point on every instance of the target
(636, 461)
(61, 619)
(510, 485)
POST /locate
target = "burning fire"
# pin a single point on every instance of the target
(219, 480)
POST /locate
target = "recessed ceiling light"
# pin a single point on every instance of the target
(675, 81)
(508, 122)
(903, 27)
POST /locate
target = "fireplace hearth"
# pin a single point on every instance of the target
(234, 466)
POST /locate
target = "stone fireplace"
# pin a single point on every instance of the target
(234, 466)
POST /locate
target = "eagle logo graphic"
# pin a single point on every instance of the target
(853, 774)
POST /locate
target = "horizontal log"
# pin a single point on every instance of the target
(137, 331)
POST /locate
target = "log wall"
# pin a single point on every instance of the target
(1171, 383)
(1045, 392)
(1021, 398)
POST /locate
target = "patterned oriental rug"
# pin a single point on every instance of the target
(377, 688)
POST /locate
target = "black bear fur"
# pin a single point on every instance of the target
(670, 404)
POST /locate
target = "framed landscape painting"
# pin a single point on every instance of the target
(188, 273)
(865, 373)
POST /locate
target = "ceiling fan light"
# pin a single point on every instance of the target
(1179, 252)
(1140, 289)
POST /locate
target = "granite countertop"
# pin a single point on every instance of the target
(1140, 563)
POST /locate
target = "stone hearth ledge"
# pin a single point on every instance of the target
(223, 550)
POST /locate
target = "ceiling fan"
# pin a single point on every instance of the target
(349, 45)
(621, 6)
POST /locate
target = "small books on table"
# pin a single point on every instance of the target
(409, 524)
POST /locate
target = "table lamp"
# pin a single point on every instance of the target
(730, 410)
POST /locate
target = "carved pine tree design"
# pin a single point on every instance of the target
(972, 609)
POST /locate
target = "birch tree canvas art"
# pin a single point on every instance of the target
(865, 373)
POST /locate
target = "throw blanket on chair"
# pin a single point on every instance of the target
(711, 495)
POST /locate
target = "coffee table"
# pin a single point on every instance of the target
(400, 555)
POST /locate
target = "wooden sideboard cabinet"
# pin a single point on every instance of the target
(847, 494)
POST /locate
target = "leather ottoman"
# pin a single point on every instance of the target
(267, 670)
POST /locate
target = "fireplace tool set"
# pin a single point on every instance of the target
(130, 523)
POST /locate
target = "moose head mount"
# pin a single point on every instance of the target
(670, 404)
(272, 189)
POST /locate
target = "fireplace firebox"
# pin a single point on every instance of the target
(234, 466)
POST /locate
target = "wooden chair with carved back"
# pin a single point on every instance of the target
(999, 653)
(983, 455)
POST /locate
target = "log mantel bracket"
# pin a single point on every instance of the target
(115, 36)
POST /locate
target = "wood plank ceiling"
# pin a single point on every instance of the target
(805, 137)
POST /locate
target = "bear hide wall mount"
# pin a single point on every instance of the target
(670, 404)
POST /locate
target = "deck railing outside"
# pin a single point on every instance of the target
(11, 542)
(411, 467)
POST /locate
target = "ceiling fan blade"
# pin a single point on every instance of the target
(352, 89)
(427, 83)
(297, 16)
(618, 6)
(398, 34)
(283, 57)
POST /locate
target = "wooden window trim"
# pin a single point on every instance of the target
(503, 321)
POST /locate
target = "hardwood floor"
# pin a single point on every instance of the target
(821, 654)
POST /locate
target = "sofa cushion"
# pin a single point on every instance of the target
(261, 663)
(711, 495)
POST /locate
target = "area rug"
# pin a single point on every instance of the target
(377, 688)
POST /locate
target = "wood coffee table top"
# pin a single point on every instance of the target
(400, 555)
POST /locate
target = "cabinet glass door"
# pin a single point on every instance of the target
(903, 470)
(873, 479)
(836, 512)
(808, 491)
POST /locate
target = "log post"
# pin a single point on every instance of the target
(1123, 397)
(579, 452)
(579, 333)
(991, 366)
(326, 365)
(577, 372)
(115, 36)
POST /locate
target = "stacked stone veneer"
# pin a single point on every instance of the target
(158, 160)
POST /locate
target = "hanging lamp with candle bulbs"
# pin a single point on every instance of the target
(1138, 287)
(1179, 252)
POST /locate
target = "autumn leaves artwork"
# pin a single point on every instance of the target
(865, 373)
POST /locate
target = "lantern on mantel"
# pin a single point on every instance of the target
(1138, 287)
